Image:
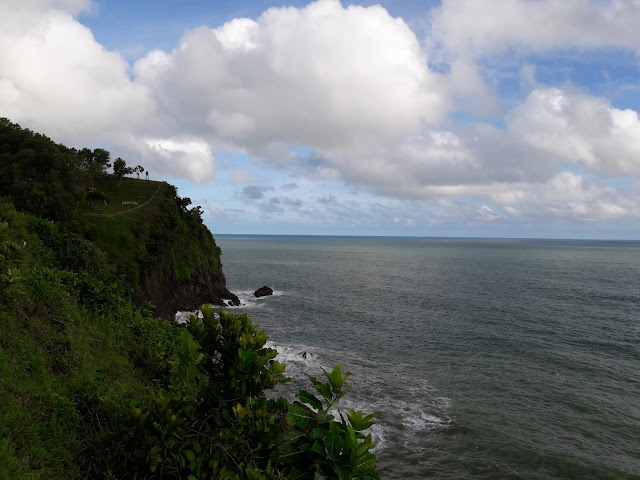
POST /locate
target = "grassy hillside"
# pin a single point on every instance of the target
(126, 189)
(74, 353)
(157, 243)
(94, 385)
(160, 245)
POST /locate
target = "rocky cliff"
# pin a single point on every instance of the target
(165, 252)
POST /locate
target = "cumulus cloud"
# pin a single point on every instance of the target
(56, 78)
(519, 172)
(472, 28)
(184, 157)
(580, 129)
(564, 198)
(323, 76)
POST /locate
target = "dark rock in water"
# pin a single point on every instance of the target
(263, 291)
(234, 300)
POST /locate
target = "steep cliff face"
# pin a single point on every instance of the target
(157, 243)
(163, 250)
(170, 294)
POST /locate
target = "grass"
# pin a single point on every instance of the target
(123, 190)
(70, 361)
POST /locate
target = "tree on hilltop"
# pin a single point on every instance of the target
(95, 162)
(138, 170)
(120, 168)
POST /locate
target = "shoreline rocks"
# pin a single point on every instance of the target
(263, 291)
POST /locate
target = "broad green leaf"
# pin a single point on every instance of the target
(289, 453)
(341, 470)
(335, 378)
(364, 463)
(324, 417)
(323, 388)
(189, 349)
(301, 415)
(292, 435)
(310, 399)
(333, 444)
(358, 421)
(297, 473)
(367, 476)
(319, 432)
(318, 448)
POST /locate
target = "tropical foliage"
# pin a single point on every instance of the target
(93, 386)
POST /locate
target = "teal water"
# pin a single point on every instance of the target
(484, 359)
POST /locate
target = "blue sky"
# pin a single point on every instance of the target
(509, 118)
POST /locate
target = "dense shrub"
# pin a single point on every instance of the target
(94, 387)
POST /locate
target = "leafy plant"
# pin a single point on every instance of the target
(10, 277)
(316, 444)
(216, 422)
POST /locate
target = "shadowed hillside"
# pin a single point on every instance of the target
(157, 243)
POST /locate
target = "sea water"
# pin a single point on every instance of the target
(483, 359)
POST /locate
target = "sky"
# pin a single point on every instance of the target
(464, 118)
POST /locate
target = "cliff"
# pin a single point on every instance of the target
(93, 385)
(162, 248)
(155, 240)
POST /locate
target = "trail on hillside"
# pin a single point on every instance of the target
(125, 211)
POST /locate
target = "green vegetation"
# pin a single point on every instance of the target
(92, 385)
(157, 243)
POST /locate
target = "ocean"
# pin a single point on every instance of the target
(483, 358)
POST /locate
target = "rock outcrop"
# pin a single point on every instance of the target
(263, 291)
(170, 294)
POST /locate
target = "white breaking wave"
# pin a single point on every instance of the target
(181, 318)
(249, 301)
(411, 412)
(300, 360)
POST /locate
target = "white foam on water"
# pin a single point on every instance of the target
(378, 432)
(426, 421)
(300, 358)
(181, 318)
(249, 301)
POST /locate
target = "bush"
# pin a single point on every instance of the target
(216, 422)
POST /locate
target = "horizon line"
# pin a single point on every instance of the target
(338, 235)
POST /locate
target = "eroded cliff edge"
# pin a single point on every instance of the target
(166, 254)
(154, 238)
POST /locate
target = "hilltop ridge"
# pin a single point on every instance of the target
(157, 243)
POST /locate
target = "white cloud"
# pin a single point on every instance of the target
(473, 28)
(56, 78)
(520, 169)
(579, 129)
(324, 76)
(184, 157)
(73, 7)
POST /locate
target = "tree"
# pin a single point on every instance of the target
(95, 162)
(138, 170)
(120, 168)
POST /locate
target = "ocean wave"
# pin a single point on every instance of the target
(426, 421)
(300, 360)
(181, 318)
(249, 301)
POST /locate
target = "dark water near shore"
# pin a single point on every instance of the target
(485, 359)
